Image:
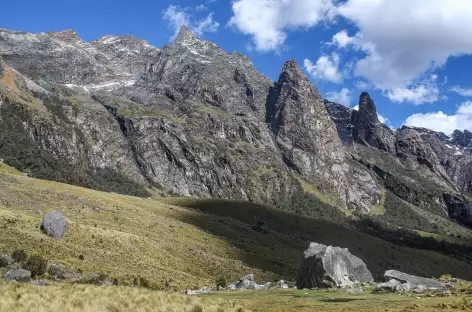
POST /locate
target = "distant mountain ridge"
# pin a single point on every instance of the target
(194, 120)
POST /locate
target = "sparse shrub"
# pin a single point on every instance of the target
(221, 281)
(141, 282)
(446, 278)
(19, 256)
(81, 257)
(36, 265)
(3, 261)
(197, 308)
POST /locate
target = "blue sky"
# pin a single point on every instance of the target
(414, 57)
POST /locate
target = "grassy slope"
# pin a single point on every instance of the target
(125, 237)
(81, 298)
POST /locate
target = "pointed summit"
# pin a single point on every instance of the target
(184, 34)
(367, 107)
(293, 76)
(367, 127)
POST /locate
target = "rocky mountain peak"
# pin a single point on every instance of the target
(367, 107)
(463, 139)
(67, 35)
(185, 34)
(368, 129)
(295, 78)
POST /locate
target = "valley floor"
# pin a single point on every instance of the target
(86, 298)
(337, 300)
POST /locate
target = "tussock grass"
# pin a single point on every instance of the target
(85, 298)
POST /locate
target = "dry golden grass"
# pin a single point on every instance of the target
(121, 236)
(17, 297)
(176, 248)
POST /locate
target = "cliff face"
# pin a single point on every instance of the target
(194, 120)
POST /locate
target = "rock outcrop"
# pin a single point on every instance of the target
(414, 281)
(367, 127)
(389, 286)
(19, 275)
(327, 266)
(458, 209)
(54, 224)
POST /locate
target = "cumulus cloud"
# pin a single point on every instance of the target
(267, 21)
(325, 68)
(462, 91)
(441, 122)
(342, 39)
(416, 95)
(342, 97)
(177, 16)
(429, 32)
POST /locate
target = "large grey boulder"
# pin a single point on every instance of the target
(19, 275)
(327, 266)
(54, 224)
(414, 281)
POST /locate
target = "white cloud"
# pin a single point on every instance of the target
(442, 122)
(178, 16)
(342, 39)
(362, 85)
(462, 91)
(356, 107)
(417, 95)
(325, 68)
(405, 39)
(268, 21)
(342, 97)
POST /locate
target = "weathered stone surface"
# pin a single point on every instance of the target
(19, 275)
(458, 209)
(309, 144)
(389, 286)
(6, 260)
(405, 287)
(54, 224)
(367, 127)
(414, 281)
(327, 266)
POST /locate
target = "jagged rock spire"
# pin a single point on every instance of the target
(367, 108)
(184, 34)
(367, 127)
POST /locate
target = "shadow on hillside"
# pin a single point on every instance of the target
(280, 250)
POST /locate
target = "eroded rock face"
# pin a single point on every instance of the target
(327, 266)
(367, 127)
(458, 209)
(308, 140)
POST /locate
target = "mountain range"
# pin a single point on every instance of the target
(193, 120)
